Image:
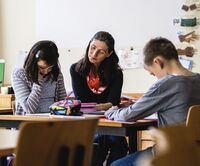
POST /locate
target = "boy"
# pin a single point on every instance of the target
(170, 97)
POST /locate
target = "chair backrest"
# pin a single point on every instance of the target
(176, 147)
(193, 121)
(56, 143)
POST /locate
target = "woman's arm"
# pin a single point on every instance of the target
(114, 92)
(77, 83)
(115, 88)
(103, 106)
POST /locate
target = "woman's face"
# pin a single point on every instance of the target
(43, 67)
(98, 51)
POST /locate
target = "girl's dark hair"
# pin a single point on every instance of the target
(43, 50)
(109, 64)
(159, 46)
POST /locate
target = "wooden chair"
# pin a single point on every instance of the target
(193, 121)
(175, 146)
(55, 143)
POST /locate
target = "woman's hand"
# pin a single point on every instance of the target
(104, 106)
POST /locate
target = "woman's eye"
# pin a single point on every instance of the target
(102, 52)
(92, 48)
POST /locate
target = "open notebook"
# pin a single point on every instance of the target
(90, 108)
(153, 116)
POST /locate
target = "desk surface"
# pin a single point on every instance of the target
(102, 121)
(6, 110)
(8, 141)
(105, 126)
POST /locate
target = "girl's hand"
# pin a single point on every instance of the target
(40, 77)
(114, 107)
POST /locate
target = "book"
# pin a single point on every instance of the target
(88, 107)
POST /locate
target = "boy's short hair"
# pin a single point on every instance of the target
(159, 47)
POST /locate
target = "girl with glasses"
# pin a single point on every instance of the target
(40, 82)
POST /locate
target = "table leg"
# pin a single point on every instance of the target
(132, 139)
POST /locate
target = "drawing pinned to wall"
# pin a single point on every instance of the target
(130, 59)
(193, 6)
(188, 51)
(188, 64)
(188, 34)
(191, 36)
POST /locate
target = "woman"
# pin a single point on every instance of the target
(98, 78)
(40, 82)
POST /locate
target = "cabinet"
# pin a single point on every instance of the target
(144, 140)
(7, 103)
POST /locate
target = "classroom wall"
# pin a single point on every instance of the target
(1, 31)
(135, 80)
(17, 30)
(18, 33)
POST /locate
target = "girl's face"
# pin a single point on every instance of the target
(43, 67)
(98, 51)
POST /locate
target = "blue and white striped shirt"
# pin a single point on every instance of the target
(28, 95)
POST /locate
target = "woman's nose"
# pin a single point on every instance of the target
(94, 53)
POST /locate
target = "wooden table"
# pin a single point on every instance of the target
(8, 141)
(129, 129)
(6, 111)
(105, 126)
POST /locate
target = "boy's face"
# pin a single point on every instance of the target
(157, 68)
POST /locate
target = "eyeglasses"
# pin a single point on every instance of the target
(49, 68)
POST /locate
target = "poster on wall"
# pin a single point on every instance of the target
(130, 59)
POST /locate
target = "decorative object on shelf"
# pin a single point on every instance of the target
(189, 33)
(176, 21)
(188, 64)
(188, 51)
(188, 22)
(191, 36)
(191, 7)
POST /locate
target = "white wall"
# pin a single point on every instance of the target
(135, 80)
(131, 22)
(18, 26)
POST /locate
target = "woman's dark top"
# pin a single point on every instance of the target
(82, 92)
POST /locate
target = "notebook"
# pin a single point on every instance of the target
(152, 117)
(90, 108)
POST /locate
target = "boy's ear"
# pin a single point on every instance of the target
(159, 62)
